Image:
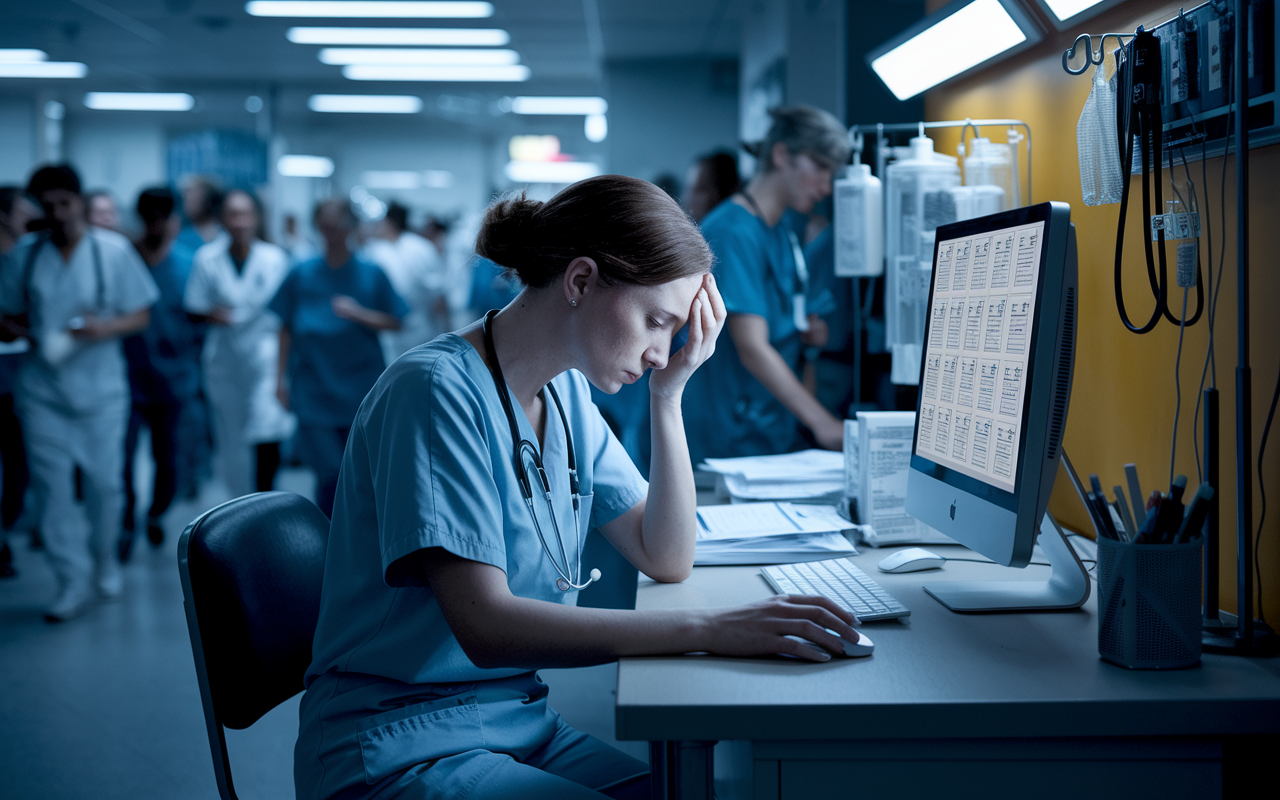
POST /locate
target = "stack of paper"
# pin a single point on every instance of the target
(877, 457)
(811, 476)
(770, 533)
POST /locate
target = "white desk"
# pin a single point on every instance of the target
(952, 705)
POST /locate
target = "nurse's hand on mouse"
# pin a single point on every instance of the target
(762, 628)
(707, 315)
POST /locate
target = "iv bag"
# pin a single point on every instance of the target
(1100, 180)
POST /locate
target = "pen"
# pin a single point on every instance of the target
(1117, 522)
(1104, 515)
(1194, 522)
(1147, 531)
(1171, 513)
(1135, 490)
(1126, 513)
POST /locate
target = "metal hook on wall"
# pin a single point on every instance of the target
(1092, 57)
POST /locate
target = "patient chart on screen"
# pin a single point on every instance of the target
(977, 348)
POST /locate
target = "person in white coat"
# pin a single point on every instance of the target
(74, 291)
(417, 273)
(232, 280)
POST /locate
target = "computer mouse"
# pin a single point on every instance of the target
(912, 559)
(863, 647)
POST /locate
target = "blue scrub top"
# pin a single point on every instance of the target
(429, 463)
(333, 362)
(727, 412)
(164, 359)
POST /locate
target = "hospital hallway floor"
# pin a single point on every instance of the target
(106, 705)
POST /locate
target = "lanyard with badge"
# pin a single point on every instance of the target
(526, 453)
(799, 312)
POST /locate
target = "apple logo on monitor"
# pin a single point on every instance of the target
(953, 509)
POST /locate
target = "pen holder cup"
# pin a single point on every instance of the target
(1149, 604)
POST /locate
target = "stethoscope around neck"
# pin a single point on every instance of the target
(526, 452)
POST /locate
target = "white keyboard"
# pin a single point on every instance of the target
(840, 581)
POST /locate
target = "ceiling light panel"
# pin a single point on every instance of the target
(464, 74)
(368, 9)
(550, 171)
(139, 101)
(946, 45)
(364, 104)
(43, 69)
(299, 166)
(395, 55)
(425, 37)
(559, 105)
(21, 56)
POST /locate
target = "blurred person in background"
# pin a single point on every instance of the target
(712, 179)
(164, 363)
(101, 210)
(416, 270)
(201, 201)
(16, 210)
(232, 280)
(75, 291)
(747, 398)
(668, 183)
(331, 310)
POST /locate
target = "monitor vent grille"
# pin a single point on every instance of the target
(1062, 386)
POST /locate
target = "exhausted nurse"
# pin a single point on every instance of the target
(474, 469)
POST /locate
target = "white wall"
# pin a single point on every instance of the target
(17, 139)
(664, 113)
(117, 153)
(816, 54)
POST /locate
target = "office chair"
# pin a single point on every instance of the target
(251, 573)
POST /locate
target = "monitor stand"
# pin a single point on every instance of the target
(1067, 588)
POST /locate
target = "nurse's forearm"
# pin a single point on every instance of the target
(768, 366)
(670, 514)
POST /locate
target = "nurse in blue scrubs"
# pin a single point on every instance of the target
(474, 469)
(748, 398)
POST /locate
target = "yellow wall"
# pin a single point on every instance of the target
(1122, 406)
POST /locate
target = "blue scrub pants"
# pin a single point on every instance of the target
(490, 740)
(321, 447)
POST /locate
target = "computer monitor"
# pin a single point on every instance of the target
(995, 382)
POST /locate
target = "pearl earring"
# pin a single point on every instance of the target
(573, 303)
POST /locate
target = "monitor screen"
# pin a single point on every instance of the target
(977, 352)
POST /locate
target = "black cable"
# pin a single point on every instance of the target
(1177, 385)
(1266, 431)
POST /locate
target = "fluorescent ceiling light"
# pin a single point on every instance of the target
(1066, 9)
(437, 178)
(550, 171)
(368, 9)
(947, 44)
(558, 105)
(43, 69)
(596, 127)
(305, 166)
(139, 101)
(20, 56)
(364, 104)
(430, 37)
(384, 72)
(393, 55)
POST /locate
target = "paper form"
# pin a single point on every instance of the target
(993, 335)
(945, 255)
(852, 459)
(968, 375)
(976, 355)
(932, 371)
(981, 263)
(745, 520)
(990, 374)
(1000, 261)
(973, 322)
(950, 364)
(885, 438)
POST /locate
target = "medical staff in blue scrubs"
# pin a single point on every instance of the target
(164, 365)
(449, 580)
(747, 398)
(331, 310)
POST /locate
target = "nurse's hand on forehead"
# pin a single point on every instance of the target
(707, 315)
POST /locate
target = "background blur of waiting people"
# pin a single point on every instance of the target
(75, 292)
(232, 280)
(331, 309)
(16, 210)
(164, 363)
(417, 272)
(100, 208)
(712, 179)
(201, 200)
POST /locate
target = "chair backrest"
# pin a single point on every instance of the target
(251, 573)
